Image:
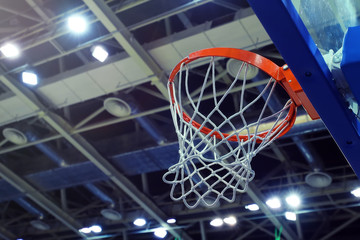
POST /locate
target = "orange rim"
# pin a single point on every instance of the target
(254, 59)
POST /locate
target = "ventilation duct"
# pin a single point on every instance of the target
(29, 208)
(317, 178)
(56, 158)
(100, 194)
(46, 149)
(38, 224)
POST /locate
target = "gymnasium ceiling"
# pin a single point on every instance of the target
(79, 159)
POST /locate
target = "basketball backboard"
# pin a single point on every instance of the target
(308, 34)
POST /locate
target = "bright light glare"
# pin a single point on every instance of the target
(252, 207)
(293, 200)
(139, 222)
(29, 78)
(231, 220)
(85, 230)
(160, 232)
(10, 50)
(100, 53)
(96, 229)
(273, 202)
(291, 216)
(77, 24)
(171, 220)
(217, 222)
(356, 192)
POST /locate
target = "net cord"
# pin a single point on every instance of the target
(192, 155)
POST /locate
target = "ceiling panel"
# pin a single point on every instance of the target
(59, 94)
(130, 69)
(166, 56)
(192, 44)
(229, 35)
(83, 86)
(113, 80)
(255, 29)
(16, 107)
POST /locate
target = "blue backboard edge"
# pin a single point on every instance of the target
(289, 34)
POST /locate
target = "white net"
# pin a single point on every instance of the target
(217, 145)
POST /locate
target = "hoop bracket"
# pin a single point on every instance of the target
(297, 94)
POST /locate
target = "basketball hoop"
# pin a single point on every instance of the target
(216, 146)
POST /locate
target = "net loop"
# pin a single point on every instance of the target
(216, 147)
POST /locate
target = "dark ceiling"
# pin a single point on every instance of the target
(80, 159)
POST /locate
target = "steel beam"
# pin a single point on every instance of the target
(243, 236)
(31, 192)
(202, 230)
(227, 5)
(21, 14)
(85, 148)
(257, 197)
(341, 227)
(5, 234)
(123, 36)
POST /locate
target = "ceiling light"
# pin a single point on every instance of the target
(171, 220)
(356, 192)
(160, 232)
(252, 207)
(15, 136)
(85, 230)
(29, 78)
(291, 216)
(293, 200)
(111, 214)
(96, 229)
(139, 222)
(77, 24)
(100, 53)
(217, 222)
(117, 107)
(231, 220)
(273, 202)
(10, 50)
(41, 225)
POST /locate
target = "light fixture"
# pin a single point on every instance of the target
(252, 207)
(10, 50)
(231, 220)
(293, 200)
(171, 220)
(356, 192)
(274, 203)
(40, 225)
(217, 222)
(100, 53)
(96, 229)
(291, 216)
(160, 232)
(111, 214)
(29, 78)
(77, 24)
(85, 230)
(139, 222)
